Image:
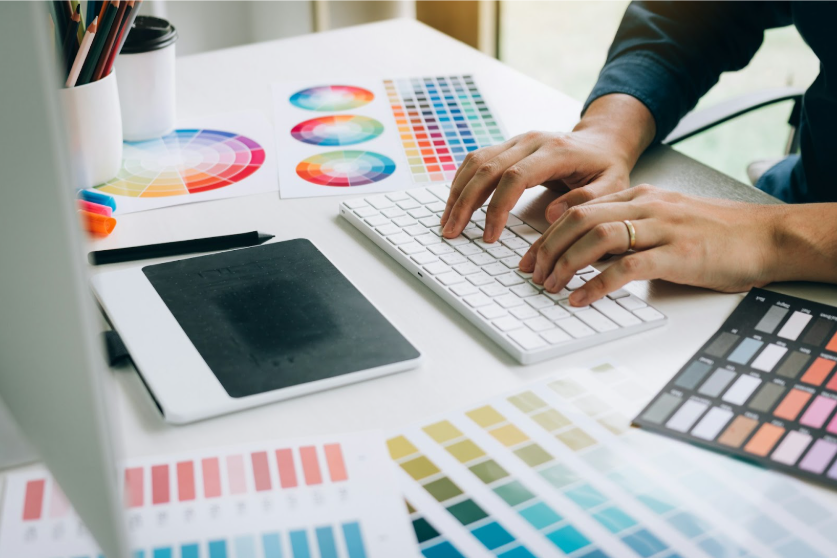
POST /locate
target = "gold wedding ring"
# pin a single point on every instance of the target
(631, 234)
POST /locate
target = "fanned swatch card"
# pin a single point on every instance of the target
(209, 158)
(377, 135)
(331, 497)
(761, 388)
(555, 470)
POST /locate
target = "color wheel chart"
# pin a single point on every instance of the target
(328, 98)
(555, 470)
(332, 499)
(440, 120)
(345, 168)
(341, 129)
(184, 162)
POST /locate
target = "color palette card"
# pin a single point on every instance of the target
(555, 470)
(378, 135)
(209, 158)
(327, 497)
(761, 388)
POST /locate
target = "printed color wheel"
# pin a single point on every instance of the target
(345, 168)
(184, 162)
(327, 98)
(342, 129)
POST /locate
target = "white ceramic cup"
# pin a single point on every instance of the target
(94, 124)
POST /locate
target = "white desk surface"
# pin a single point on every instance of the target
(461, 365)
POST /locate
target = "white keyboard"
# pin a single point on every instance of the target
(482, 280)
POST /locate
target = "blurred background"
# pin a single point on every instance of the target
(561, 43)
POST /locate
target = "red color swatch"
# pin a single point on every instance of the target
(160, 484)
(287, 472)
(261, 471)
(310, 465)
(336, 465)
(185, 481)
(211, 477)
(134, 487)
(33, 502)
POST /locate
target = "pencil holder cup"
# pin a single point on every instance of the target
(146, 79)
(94, 123)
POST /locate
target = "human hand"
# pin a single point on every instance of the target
(581, 164)
(719, 244)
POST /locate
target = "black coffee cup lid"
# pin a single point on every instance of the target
(149, 33)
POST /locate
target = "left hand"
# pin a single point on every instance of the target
(719, 244)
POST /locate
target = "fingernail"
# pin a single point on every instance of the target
(551, 284)
(448, 230)
(555, 211)
(526, 261)
(578, 298)
(488, 234)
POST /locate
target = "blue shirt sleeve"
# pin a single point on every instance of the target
(669, 54)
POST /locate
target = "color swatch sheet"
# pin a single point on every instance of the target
(323, 498)
(555, 470)
(378, 135)
(210, 158)
(761, 388)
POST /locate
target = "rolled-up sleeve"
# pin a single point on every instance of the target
(669, 54)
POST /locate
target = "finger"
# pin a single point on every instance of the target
(524, 174)
(574, 224)
(480, 187)
(603, 239)
(466, 170)
(598, 188)
(646, 265)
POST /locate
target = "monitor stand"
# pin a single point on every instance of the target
(16, 451)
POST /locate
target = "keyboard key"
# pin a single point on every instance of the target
(355, 203)
(411, 248)
(506, 234)
(513, 221)
(457, 241)
(408, 204)
(648, 314)
(424, 258)
(472, 233)
(500, 252)
(464, 289)
(631, 303)
(422, 196)
(524, 312)
(511, 262)
(508, 300)
(397, 196)
(509, 279)
(539, 324)
(404, 221)
(526, 232)
(554, 313)
(466, 268)
(400, 238)
(419, 213)
(480, 279)
(616, 312)
(431, 221)
(481, 259)
(539, 302)
(477, 300)
(494, 288)
(469, 249)
(508, 324)
(436, 230)
(392, 212)
(379, 202)
(366, 211)
(495, 269)
(377, 220)
(516, 243)
(442, 192)
(575, 283)
(436, 268)
(521, 251)
(575, 327)
(596, 320)
(618, 294)
(415, 230)
(524, 274)
(525, 290)
(565, 304)
(560, 295)
(586, 270)
(436, 207)
(479, 224)
(451, 278)
(555, 336)
(535, 285)
(428, 239)
(492, 311)
(485, 245)
(454, 259)
(527, 339)
(387, 230)
(440, 249)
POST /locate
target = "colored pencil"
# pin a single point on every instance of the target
(109, 42)
(92, 10)
(86, 75)
(82, 26)
(83, 50)
(212, 244)
(59, 17)
(70, 44)
(128, 22)
(102, 8)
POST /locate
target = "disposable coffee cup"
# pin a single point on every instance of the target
(145, 67)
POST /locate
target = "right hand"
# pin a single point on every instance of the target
(582, 164)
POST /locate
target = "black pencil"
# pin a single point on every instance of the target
(211, 244)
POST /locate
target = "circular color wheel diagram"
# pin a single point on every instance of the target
(329, 98)
(184, 162)
(345, 168)
(342, 129)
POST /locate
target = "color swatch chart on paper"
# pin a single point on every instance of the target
(554, 470)
(440, 120)
(184, 162)
(762, 388)
(330, 499)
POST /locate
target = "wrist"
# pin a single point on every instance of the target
(621, 124)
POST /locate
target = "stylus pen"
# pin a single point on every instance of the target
(211, 244)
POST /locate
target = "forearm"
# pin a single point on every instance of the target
(622, 122)
(805, 237)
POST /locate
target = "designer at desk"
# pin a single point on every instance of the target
(665, 56)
